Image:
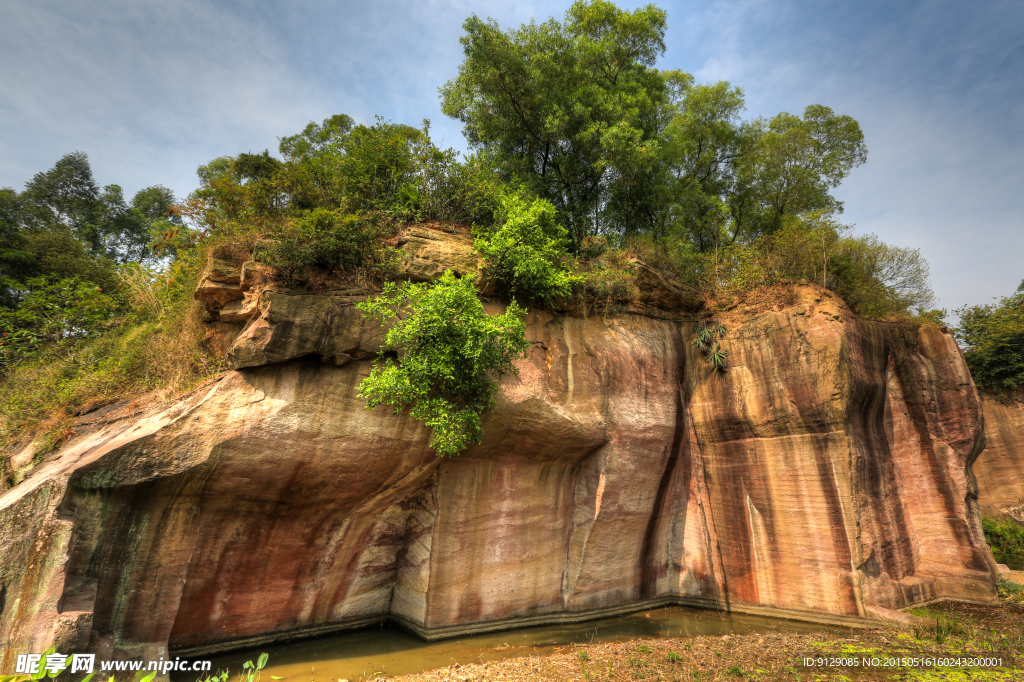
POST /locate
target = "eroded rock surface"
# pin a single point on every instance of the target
(826, 474)
(1000, 468)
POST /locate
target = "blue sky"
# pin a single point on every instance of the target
(150, 90)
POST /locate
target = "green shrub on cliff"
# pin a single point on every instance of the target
(450, 355)
(526, 254)
(329, 241)
(1006, 539)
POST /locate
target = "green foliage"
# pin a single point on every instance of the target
(64, 226)
(330, 241)
(608, 281)
(250, 671)
(577, 111)
(1010, 591)
(877, 280)
(994, 339)
(451, 356)
(526, 255)
(1006, 538)
(706, 339)
(67, 198)
(159, 343)
(378, 162)
(593, 246)
(787, 166)
(54, 315)
(564, 105)
(316, 138)
(453, 191)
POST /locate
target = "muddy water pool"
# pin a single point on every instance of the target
(387, 649)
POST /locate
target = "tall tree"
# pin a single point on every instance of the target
(66, 196)
(789, 164)
(565, 105)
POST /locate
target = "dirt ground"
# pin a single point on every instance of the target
(952, 642)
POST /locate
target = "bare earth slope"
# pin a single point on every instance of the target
(826, 474)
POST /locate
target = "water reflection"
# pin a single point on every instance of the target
(389, 650)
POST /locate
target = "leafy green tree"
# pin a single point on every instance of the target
(993, 337)
(787, 166)
(380, 165)
(684, 192)
(17, 262)
(66, 196)
(526, 254)
(53, 314)
(565, 105)
(317, 138)
(451, 356)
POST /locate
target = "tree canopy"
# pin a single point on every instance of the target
(578, 110)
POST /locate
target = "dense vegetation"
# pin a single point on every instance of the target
(581, 150)
(993, 338)
(1006, 538)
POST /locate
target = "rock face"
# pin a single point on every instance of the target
(1000, 468)
(825, 475)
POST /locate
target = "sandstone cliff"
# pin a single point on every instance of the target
(825, 475)
(1000, 468)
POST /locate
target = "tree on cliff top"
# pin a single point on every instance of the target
(993, 336)
(565, 105)
(577, 110)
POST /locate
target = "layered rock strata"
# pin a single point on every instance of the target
(825, 475)
(1000, 468)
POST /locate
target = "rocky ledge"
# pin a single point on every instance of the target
(826, 475)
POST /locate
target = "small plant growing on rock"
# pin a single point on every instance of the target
(451, 356)
(706, 338)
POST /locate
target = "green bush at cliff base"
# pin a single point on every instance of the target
(451, 354)
(1006, 538)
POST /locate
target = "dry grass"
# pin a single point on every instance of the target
(39, 400)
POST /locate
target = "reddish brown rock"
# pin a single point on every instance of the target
(1000, 468)
(826, 475)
